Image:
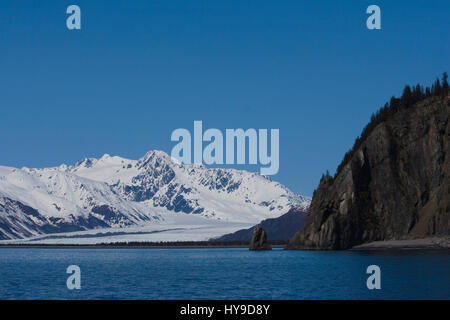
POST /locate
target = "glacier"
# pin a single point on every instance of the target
(154, 198)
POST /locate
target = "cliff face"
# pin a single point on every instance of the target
(395, 186)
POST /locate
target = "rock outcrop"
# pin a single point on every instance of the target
(259, 239)
(395, 185)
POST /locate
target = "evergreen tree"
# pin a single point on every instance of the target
(406, 96)
(445, 82)
(436, 88)
(417, 93)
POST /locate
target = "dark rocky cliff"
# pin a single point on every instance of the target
(395, 184)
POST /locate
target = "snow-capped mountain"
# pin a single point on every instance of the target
(113, 192)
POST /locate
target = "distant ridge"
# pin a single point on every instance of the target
(281, 228)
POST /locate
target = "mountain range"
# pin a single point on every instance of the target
(116, 195)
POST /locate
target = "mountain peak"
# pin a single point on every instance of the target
(155, 154)
(118, 192)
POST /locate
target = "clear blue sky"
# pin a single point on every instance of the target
(139, 69)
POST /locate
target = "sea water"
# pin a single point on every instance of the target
(221, 273)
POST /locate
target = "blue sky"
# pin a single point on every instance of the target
(140, 69)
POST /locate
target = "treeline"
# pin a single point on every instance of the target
(410, 96)
(210, 243)
(158, 244)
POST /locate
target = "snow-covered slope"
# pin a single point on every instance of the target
(113, 192)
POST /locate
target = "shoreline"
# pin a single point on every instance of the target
(143, 245)
(427, 244)
(434, 243)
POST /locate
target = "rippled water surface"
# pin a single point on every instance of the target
(231, 273)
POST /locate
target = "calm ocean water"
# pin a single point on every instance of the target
(230, 273)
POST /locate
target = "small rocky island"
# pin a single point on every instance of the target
(259, 239)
